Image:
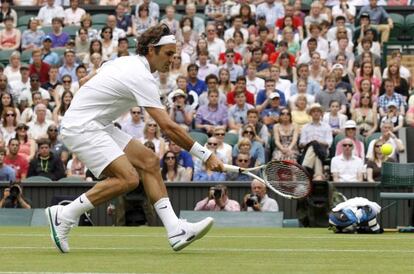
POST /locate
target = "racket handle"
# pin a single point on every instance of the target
(231, 168)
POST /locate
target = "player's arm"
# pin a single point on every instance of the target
(181, 138)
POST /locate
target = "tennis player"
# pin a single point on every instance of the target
(88, 131)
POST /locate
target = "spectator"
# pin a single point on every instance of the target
(302, 86)
(312, 87)
(317, 71)
(7, 11)
(234, 69)
(194, 83)
(180, 112)
(46, 163)
(253, 83)
(241, 86)
(270, 116)
(152, 133)
(378, 15)
(286, 138)
(272, 10)
(374, 164)
(212, 85)
(32, 36)
(207, 175)
(315, 138)
(214, 43)
(217, 11)
(238, 112)
(315, 16)
(75, 168)
(263, 100)
(73, 15)
(322, 43)
(400, 83)
(49, 12)
(154, 9)
(86, 22)
(217, 200)
(39, 67)
(170, 20)
(282, 85)
(192, 97)
(287, 70)
(365, 116)
(31, 95)
(170, 170)
(331, 93)
(346, 9)
(300, 115)
(183, 159)
(242, 160)
(205, 67)
(261, 129)
(82, 43)
(7, 173)
(177, 68)
(258, 200)
(212, 114)
(143, 20)
(94, 47)
(403, 71)
(15, 160)
(190, 11)
(223, 149)
(8, 127)
(236, 26)
(256, 151)
(38, 127)
(4, 88)
(6, 100)
(346, 167)
(367, 72)
(69, 65)
(225, 86)
(335, 119)
(387, 136)
(351, 134)
(50, 57)
(109, 45)
(64, 104)
(396, 118)
(56, 145)
(262, 67)
(10, 36)
(13, 197)
(134, 125)
(27, 144)
(58, 36)
(12, 70)
(390, 96)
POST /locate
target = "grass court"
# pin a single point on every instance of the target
(223, 250)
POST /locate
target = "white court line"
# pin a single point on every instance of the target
(213, 250)
(333, 236)
(26, 272)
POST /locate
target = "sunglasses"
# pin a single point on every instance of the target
(248, 132)
(242, 160)
(219, 134)
(34, 80)
(212, 144)
(229, 56)
(347, 145)
(10, 115)
(19, 128)
(53, 130)
(152, 125)
(378, 145)
(170, 158)
(66, 81)
(284, 113)
(135, 112)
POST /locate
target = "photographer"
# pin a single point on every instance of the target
(258, 200)
(180, 112)
(13, 197)
(217, 200)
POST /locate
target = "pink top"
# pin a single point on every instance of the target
(8, 40)
(210, 205)
(25, 149)
(376, 84)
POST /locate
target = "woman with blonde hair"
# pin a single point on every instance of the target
(225, 86)
(86, 23)
(177, 68)
(365, 115)
(300, 115)
(374, 164)
(400, 83)
(12, 71)
(152, 133)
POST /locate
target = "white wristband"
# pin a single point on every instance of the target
(200, 152)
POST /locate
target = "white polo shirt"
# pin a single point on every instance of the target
(120, 84)
(347, 169)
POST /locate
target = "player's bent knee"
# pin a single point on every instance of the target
(130, 181)
(152, 164)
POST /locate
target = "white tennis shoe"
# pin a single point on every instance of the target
(189, 232)
(59, 228)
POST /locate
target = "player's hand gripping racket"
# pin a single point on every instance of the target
(285, 178)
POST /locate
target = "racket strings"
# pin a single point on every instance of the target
(288, 179)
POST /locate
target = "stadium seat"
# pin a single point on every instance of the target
(71, 30)
(98, 27)
(306, 3)
(409, 20)
(4, 56)
(368, 140)
(199, 137)
(47, 29)
(22, 28)
(71, 179)
(163, 2)
(202, 16)
(177, 16)
(24, 20)
(399, 26)
(132, 42)
(35, 179)
(59, 51)
(231, 138)
(99, 18)
(398, 19)
(25, 56)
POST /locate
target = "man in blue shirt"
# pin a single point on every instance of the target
(194, 83)
(262, 101)
(69, 66)
(379, 19)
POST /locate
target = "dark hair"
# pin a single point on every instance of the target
(84, 29)
(57, 19)
(63, 108)
(4, 115)
(143, 7)
(151, 37)
(211, 76)
(104, 29)
(164, 168)
(2, 107)
(334, 101)
(190, 66)
(241, 78)
(238, 32)
(122, 39)
(91, 46)
(186, 18)
(150, 145)
(81, 66)
(43, 141)
(13, 139)
(252, 110)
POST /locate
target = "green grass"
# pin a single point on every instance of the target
(258, 251)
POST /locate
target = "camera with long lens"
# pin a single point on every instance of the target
(12, 198)
(252, 200)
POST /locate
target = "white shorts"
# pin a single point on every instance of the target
(96, 145)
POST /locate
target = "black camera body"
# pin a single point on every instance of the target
(218, 193)
(14, 192)
(252, 200)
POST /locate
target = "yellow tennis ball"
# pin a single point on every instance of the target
(386, 149)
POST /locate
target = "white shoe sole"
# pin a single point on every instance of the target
(53, 234)
(198, 236)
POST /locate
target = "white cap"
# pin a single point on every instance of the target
(274, 95)
(337, 66)
(350, 124)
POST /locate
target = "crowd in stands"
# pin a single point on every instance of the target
(255, 79)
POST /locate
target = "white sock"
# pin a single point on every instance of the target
(75, 209)
(166, 214)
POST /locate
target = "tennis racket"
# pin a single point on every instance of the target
(285, 178)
